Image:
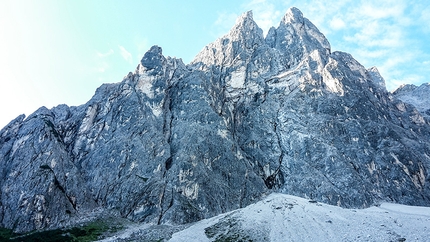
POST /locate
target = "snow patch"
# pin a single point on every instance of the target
(267, 170)
(87, 122)
(237, 78)
(156, 108)
(417, 119)
(401, 107)
(281, 217)
(191, 191)
(145, 85)
(183, 174)
(332, 84)
(222, 133)
(53, 163)
(18, 143)
(133, 165)
(371, 167)
(239, 155)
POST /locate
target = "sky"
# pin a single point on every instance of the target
(59, 51)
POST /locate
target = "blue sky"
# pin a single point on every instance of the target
(59, 51)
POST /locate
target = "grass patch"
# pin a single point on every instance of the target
(89, 232)
(6, 234)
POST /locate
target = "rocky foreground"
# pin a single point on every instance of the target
(280, 217)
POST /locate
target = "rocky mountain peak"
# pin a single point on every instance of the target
(244, 37)
(377, 78)
(153, 60)
(296, 38)
(293, 15)
(405, 88)
(418, 96)
(246, 31)
(244, 18)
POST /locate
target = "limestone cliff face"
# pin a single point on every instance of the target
(176, 143)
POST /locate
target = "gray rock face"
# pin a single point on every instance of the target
(377, 78)
(175, 143)
(419, 97)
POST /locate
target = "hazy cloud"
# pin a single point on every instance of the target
(383, 9)
(425, 18)
(125, 54)
(142, 46)
(265, 13)
(337, 23)
(102, 67)
(411, 79)
(223, 23)
(102, 55)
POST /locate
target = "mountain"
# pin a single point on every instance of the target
(250, 115)
(416, 96)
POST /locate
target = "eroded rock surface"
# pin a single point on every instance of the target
(175, 143)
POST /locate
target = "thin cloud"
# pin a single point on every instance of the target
(142, 45)
(396, 61)
(337, 23)
(223, 23)
(103, 55)
(102, 67)
(425, 19)
(265, 13)
(372, 54)
(125, 54)
(378, 35)
(411, 79)
(381, 9)
(320, 12)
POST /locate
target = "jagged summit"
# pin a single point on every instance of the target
(377, 78)
(295, 39)
(244, 37)
(153, 59)
(174, 143)
(418, 96)
(405, 88)
(245, 17)
(300, 33)
(246, 31)
(293, 15)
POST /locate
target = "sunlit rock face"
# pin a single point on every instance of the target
(175, 143)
